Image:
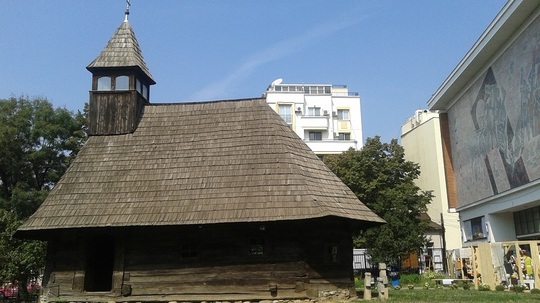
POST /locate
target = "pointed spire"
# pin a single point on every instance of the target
(122, 50)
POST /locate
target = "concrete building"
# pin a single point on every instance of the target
(327, 117)
(422, 141)
(490, 125)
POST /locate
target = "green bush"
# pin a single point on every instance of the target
(415, 279)
(501, 287)
(466, 285)
(518, 288)
(433, 275)
(484, 287)
(535, 291)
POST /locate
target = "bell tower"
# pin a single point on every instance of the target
(120, 84)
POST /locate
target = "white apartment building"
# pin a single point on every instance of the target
(327, 117)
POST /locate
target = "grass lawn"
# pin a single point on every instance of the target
(454, 296)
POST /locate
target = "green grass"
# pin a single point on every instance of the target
(454, 295)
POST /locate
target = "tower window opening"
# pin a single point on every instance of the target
(122, 83)
(104, 83)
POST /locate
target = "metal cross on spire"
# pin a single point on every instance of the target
(128, 4)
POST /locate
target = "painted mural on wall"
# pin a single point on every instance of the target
(495, 131)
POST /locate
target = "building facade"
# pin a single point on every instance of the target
(421, 138)
(491, 112)
(327, 117)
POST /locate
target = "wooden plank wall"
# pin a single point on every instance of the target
(214, 263)
(114, 112)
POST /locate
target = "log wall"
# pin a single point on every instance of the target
(211, 263)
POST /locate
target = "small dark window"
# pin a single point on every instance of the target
(138, 86)
(315, 136)
(99, 264)
(256, 247)
(344, 136)
(145, 91)
(331, 253)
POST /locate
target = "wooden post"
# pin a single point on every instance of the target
(382, 282)
(367, 286)
(535, 254)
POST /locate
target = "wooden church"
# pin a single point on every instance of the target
(206, 201)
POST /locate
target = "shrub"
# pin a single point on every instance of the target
(484, 287)
(433, 275)
(466, 285)
(518, 288)
(410, 279)
(535, 291)
(501, 287)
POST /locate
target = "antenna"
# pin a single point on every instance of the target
(128, 4)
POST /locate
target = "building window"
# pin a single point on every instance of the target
(138, 86)
(527, 222)
(331, 253)
(145, 91)
(285, 112)
(475, 229)
(317, 90)
(315, 136)
(314, 111)
(256, 247)
(104, 83)
(343, 114)
(344, 136)
(122, 83)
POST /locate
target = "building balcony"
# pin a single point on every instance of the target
(331, 146)
(314, 122)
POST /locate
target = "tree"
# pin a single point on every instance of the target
(37, 144)
(382, 179)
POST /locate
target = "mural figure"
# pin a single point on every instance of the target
(497, 141)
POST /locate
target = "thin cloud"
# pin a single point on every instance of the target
(275, 52)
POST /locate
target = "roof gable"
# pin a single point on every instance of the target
(197, 163)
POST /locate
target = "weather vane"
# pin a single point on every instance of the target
(128, 4)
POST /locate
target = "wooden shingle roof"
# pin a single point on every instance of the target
(197, 163)
(123, 51)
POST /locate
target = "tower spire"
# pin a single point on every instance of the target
(128, 4)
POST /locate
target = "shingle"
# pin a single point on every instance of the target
(122, 50)
(197, 163)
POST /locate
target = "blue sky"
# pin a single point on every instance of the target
(395, 54)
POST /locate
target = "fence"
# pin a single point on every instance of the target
(362, 263)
